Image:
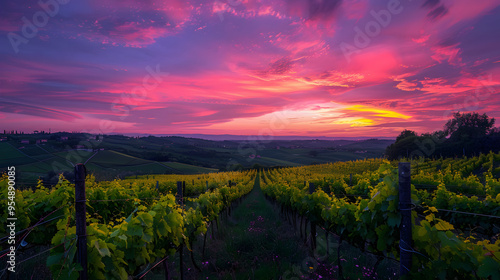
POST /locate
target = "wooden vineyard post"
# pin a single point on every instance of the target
(204, 244)
(206, 188)
(183, 191)
(181, 261)
(405, 236)
(80, 216)
(212, 226)
(165, 267)
(180, 193)
(350, 180)
(327, 244)
(312, 188)
(157, 184)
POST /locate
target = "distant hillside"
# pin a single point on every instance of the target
(110, 156)
(231, 137)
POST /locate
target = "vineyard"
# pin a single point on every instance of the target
(130, 223)
(135, 224)
(455, 217)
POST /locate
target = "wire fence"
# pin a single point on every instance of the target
(448, 187)
(445, 210)
(19, 254)
(25, 232)
(468, 213)
(41, 253)
(407, 247)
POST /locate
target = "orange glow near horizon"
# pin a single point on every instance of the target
(377, 112)
(327, 119)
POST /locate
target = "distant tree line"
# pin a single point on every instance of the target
(466, 134)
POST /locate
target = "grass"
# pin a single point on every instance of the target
(15, 161)
(9, 152)
(33, 150)
(256, 243)
(252, 243)
(189, 169)
(148, 168)
(274, 161)
(11, 156)
(126, 156)
(112, 159)
(36, 167)
(297, 157)
(75, 155)
(43, 157)
(106, 165)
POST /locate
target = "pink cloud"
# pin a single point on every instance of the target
(355, 9)
(447, 53)
(135, 24)
(422, 39)
(38, 111)
(462, 10)
(134, 36)
(334, 79)
(406, 85)
(376, 64)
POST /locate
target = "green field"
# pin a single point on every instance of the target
(9, 152)
(115, 156)
(115, 159)
(189, 169)
(103, 164)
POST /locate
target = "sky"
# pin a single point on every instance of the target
(334, 68)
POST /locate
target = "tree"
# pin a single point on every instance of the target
(464, 134)
(405, 134)
(467, 126)
(405, 147)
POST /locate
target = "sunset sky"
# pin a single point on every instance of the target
(281, 67)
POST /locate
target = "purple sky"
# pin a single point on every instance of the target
(282, 67)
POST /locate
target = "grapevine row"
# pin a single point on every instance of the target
(372, 223)
(124, 232)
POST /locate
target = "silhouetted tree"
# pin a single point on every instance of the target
(405, 134)
(464, 134)
(470, 125)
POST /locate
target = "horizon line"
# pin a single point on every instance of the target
(197, 135)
